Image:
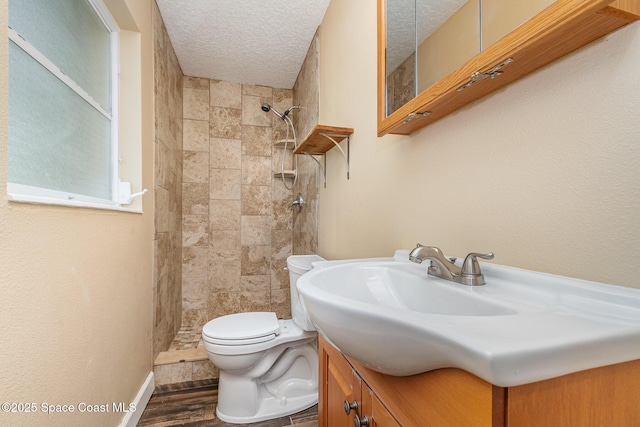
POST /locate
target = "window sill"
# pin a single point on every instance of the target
(58, 198)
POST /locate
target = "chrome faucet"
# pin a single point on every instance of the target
(297, 202)
(469, 274)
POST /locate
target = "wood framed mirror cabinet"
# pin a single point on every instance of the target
(442, 73)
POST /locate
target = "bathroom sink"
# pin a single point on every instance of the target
(521, 327)
(401, 286)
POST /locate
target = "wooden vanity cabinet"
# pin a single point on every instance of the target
(445, 397)
(376, 413)
(606, 396)
(339, 383)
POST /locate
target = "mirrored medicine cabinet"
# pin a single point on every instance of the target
(435, 56)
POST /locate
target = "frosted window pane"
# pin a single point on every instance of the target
(56, 139)
(72, 36)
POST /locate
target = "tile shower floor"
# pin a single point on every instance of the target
(185, 360)
(186, 338)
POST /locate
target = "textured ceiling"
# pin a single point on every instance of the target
(244, 41)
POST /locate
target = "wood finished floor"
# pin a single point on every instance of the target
(194, 405)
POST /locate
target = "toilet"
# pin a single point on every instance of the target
(268, 366)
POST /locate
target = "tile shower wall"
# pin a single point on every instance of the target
(306, 93)
(167, 278)
(236, 220)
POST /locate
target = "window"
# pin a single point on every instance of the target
(63, 103)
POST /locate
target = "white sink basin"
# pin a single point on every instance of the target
(520, 327)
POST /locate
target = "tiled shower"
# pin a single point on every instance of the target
(224, 226)
(237, 228)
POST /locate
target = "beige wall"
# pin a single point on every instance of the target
(450, 46)
(544, 172)
(500, 17)
(75, 285)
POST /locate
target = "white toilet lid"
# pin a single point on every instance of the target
(242, 328)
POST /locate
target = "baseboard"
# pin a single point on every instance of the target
(142, 398)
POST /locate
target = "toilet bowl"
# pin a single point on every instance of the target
(268, 366)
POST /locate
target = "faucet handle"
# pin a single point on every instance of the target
(470, 267)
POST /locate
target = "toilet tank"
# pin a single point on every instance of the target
(298, 265)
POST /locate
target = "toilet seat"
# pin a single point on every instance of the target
(242, 329)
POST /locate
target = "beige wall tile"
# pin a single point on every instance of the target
(255, 260)
(282, 214)
(195, 230)
(195, 82)
(225, 123)
(225, 153)
(224, 276)
(279, 276)
(255, 300)
(256, 170)
(195, 261)
(195, 198)
(195, 291)
(162, 374)
(224, 215)
(280, 303)
(224, 245)
(196, 135)
(196, 104)
(306, 91)
(281, 130)
(204, 370)
(281, 244)
(257, 140)
(225, 94)
(256, 230)
(256, 90)
(223, 303)
(276, 160)
(162, 210)
(195, 166)
(181, 372)
(282, 193)
(283, 98)
(161, 169)
(255, 283)
(196, 318)
(252, 113)
(225, 184)
(256, 200)
(163, 244)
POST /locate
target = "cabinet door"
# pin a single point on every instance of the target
(338, 383)
(372, 408)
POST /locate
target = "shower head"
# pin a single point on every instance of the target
(266, 108)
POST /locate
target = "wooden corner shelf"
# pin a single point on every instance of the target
(322, 139)
(318, 143)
